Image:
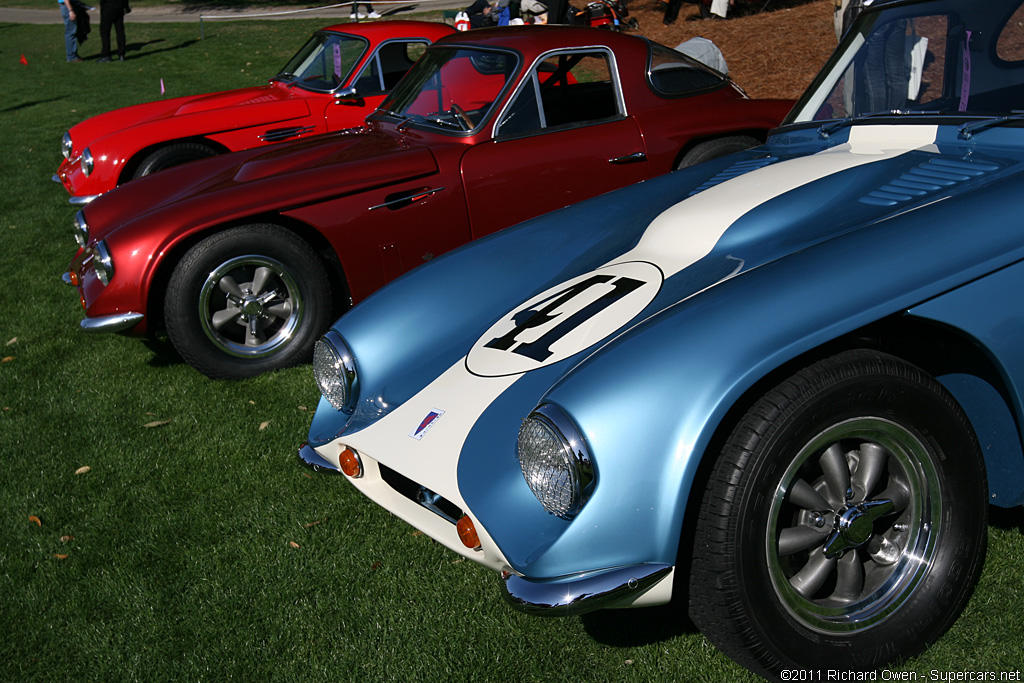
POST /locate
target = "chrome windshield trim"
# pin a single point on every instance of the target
(112, 323)
(584, 593)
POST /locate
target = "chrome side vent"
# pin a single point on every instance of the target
(278, 134)
(928, 178)
(734, 171)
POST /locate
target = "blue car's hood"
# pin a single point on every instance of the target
(626, 255)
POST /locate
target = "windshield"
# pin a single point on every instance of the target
(451, 88)
(324, 62)
(949, 57)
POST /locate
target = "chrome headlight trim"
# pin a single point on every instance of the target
(87, 161)
(102, 264)
(334, 368)
(556, 461)
(81, 228)
(66, 146)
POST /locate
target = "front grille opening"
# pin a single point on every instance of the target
(421, 495)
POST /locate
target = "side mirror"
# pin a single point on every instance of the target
(349, 98)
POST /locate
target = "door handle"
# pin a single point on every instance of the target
(629, 158)
(402, 199)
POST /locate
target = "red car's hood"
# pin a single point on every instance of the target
(267, 102)
(269, 179)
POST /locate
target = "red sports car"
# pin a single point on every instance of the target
(244, 259)
(338, 77)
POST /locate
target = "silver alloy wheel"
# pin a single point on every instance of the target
(250, 306)
(853, 525)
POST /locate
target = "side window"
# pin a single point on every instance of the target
(388, 65)
(567, 89)
(674, 74)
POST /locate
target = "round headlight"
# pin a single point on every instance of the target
(102, 263)
(87, 162)
(66, 148)
(556, 462)
(335, 370)
(81, 228)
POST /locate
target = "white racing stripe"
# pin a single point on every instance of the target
(676, 239)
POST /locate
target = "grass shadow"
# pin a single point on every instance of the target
(638, 627)
(26, 105)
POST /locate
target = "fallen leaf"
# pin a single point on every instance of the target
(60, 556)
(293, 544)
(417, 533)
(320, 521)
(13, 340)
(307, 475)
(83, 469)
(251, 402)
(156, 423)
(264, 425)
(375, 566)
(33, 518)
(6, 359)
(303, 408)
(65, 539)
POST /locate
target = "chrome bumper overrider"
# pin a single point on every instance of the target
(612, 588)
(311, 459)
(112, 323)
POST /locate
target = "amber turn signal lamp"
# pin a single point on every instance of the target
(467, 533)
(73, 277)
(350, 463)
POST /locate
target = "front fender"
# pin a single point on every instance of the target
(651, 401)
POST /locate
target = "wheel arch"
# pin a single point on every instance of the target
(319, 243)
(760, 134)
(133, 162)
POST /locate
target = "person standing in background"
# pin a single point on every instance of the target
(112, 14)
(370, 13)
(67, 12)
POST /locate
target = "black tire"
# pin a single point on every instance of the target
(246, 301)
(719, 147)
(172, 155)
(789, 574)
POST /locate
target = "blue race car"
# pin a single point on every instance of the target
(785, 384)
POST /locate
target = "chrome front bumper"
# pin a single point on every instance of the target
(107, 323)
(586, 593)
(75, 201)
(311, 459)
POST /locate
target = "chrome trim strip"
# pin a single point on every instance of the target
(311, 459)
(586, 593)
(409, 198)
(112, 323)
(82, 201)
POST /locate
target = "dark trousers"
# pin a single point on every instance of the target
(112, 14)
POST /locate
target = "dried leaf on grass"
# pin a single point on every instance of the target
(293, 544)
(83, 469)
(12, 340)
(264, 425)
(60, 556)
(65, 539)
(6, 359)
(319, 521)
(156, 423)
(33, 518)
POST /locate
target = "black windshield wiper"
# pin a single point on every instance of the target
(968, 130)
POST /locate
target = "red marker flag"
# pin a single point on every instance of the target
(23, 60)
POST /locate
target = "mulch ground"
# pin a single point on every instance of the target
(771, 54)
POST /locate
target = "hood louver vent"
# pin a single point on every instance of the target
(928, 178)
(733, 171)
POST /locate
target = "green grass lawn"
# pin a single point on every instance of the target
(194, 547)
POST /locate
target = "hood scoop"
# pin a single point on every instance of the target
(930, 177)
(737, 169)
